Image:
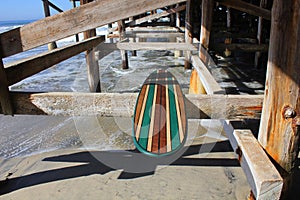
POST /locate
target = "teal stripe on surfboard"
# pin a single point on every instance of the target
(173, 119)
(143, 140)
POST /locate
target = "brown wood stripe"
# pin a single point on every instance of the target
(139, 106)
(157, 118)
(139, 126)
(162, 133)
(181, 134)
(151, 129)
(182, 108)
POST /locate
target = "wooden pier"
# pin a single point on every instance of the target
(268, 162)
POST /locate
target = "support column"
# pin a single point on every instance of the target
(280, 121)
(52, 45)
(196, 86)
(177, 17)
(133, 53)
(206, 23)
(188, 33)
(124, 54)
(91, 61)
(263, 4)
(74, 6)
(5, 100)
(109, 27)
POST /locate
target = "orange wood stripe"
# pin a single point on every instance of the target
(139, 106)
(182, 108)
(168, 124)
(181, 135)
(162, 133)
(157, 118)
(138, 131)
(151, 129)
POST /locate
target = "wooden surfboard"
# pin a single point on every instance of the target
(160, 123)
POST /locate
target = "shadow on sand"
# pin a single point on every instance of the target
(132, 163)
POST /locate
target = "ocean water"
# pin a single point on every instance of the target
(71, 75)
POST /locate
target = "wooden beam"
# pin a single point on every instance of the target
(263, 178)
(247, 7)
(156, 46)
(5, 100)
(162, 34)
(83, 18)
(20, 70)
(279, 129)
(115, 104)
(156, 16)
(209, 83)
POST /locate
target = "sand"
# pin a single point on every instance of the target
(87, 169)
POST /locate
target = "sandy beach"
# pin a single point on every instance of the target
(82, 168)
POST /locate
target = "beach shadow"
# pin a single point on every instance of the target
(133, 165)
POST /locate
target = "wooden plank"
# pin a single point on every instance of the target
(20, 70)
(65, 104)
(5, 100)
(161, 34)
(279, 129)
(263, 178)
(156, 16)
(247, 7)
(83, 18)
(156, 46)
(210, 84)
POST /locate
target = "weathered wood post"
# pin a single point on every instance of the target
(124, 54)
(109, 27)
(228, 16)
(91, 61)
(172, 17)
(52, 45)
(74, 6)
(133, 53)
(280, 121)
(206, 23)
(188, 33)
(5, 100)
(196, 85)
(177, 17)
(263, 4)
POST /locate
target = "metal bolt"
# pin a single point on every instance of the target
(289, 112)
(297, 121)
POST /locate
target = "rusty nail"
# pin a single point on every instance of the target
(289, 112)
(239, 152)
